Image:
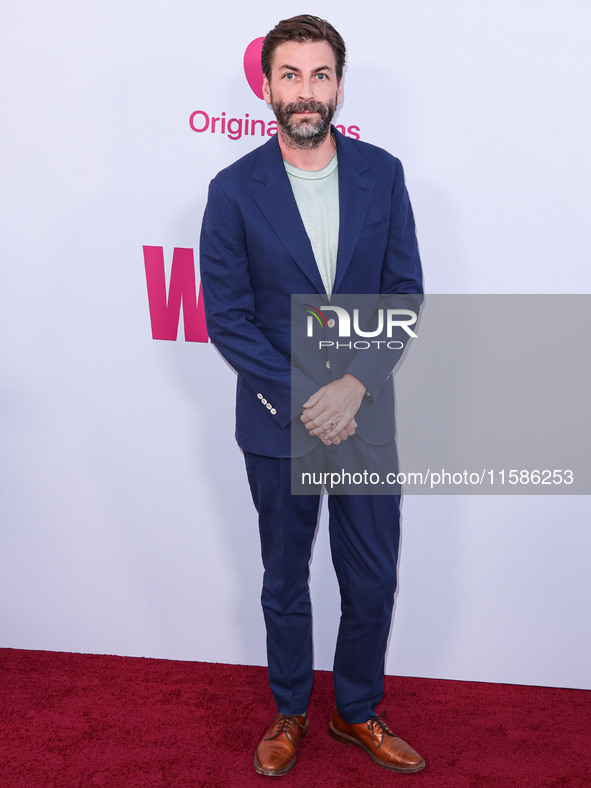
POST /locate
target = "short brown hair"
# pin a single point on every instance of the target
(303, 28)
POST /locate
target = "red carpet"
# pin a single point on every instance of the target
(72, 720)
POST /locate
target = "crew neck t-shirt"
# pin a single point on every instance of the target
(316, 194)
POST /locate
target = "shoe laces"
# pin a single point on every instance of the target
(283, 724)
(378, 727)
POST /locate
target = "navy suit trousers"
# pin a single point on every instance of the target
(364, 537)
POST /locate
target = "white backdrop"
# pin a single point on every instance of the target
(126, 521)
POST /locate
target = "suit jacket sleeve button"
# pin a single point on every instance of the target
(273, 411)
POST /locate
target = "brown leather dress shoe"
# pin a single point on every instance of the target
(276, 753)
(384, 747)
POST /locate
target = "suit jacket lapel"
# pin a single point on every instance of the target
(354, 196)
(274, 196)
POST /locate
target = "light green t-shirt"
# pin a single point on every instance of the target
(316, 194)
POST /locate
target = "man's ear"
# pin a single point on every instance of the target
(266, 90)
(340, 91)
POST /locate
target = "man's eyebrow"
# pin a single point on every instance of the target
(296, 69)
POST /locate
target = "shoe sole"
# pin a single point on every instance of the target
(346, 739)
(270, 772)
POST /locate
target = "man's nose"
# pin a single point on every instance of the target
(306, 89)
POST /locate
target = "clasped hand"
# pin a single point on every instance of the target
(330, 412)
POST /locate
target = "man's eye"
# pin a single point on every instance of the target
(289, 76)
(321, 77)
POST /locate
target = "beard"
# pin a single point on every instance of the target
(305, 132)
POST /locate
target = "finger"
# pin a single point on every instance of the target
(314, 398)
(317, 416)
(336, 428)
(325, 423)
(317, 431)
(327, 426)
(311, 401)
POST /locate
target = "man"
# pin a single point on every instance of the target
(310, 212)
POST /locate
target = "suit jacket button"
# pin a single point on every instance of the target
(273, 411)
(269, 406)
(263, 400)
(260, 396)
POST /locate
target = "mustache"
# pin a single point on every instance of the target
(306, 106)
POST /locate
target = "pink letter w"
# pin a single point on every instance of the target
(165, 312)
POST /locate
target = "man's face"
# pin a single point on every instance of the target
(303, 91)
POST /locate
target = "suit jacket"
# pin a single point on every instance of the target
(255, 253)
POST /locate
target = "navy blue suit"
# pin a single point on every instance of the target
(254, 254)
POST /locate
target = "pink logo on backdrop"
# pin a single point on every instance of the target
(165, 308)
(252, 66)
